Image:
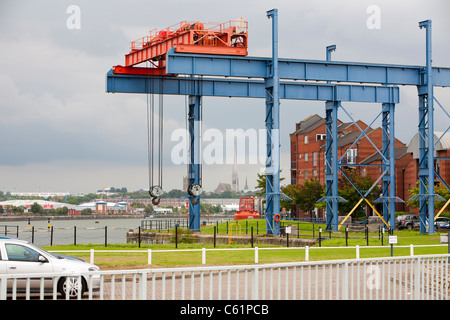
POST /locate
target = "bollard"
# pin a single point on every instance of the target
(106, 236)
(346, 236)
(320, 236)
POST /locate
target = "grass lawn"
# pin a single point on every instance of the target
(327, 251)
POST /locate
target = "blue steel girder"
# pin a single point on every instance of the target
(116, 83)
(308, 70)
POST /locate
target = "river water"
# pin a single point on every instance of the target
(84, 231)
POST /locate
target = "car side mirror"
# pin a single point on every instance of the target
(42, 259)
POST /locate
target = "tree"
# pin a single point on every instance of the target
(440, 190)
(36, 208)
(308, 194)
(261, 183)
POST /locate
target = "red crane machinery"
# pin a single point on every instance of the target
(247, 209)
(228, 38)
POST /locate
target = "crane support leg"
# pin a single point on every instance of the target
(388, 151)
(273, 134)
(194, 119)
(331, 159)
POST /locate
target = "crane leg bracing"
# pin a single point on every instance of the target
(345, 81)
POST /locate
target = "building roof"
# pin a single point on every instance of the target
(443, 144)
(309, 124)
(28, 203)
(399, 153)
(348, 138)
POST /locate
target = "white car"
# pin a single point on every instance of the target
(21, 257)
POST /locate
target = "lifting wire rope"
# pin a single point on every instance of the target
(155, 190)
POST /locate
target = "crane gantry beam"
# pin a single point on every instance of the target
(256, 77)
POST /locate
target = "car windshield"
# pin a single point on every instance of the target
(40, 250)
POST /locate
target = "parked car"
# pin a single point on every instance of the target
(22, 257)
(407, 222)
(441, 223)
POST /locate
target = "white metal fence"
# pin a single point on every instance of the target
(415, 278)
(304, 250)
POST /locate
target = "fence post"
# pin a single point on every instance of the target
(320, 236)
(51, 236)
(149, 259)
(92, 256)
(345, 281)
(74, 235)
(252, 236)
(176, 237)
(3, 289)
(106, 236)
(417, 279)
(143, 286)
(367, 234)
(306, 253)
(139, 237)
(256, 255)
(357, 251)
(255, 284)
(203, 255)
(411, 250)
(346, 236)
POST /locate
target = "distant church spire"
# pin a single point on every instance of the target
(234, 175)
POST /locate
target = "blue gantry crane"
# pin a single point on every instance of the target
(334, 82)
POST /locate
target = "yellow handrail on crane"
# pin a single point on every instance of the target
(230, 231)
(354, 208)
(440, 211)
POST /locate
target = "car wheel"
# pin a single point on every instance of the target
(72, 285)
(410, 227)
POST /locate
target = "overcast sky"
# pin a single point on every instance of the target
(60, 131)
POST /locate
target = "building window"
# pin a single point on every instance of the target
(306, 157)
(364, 172)
(306, 139)
(306, 174)
(351, 155)
(321, 137)
(314, 173)
(314, 159)
(299, 155)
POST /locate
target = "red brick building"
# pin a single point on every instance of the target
(308, 147)
(308, 156)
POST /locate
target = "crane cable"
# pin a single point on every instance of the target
(155, 191)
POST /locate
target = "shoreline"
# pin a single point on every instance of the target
(94, 217)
